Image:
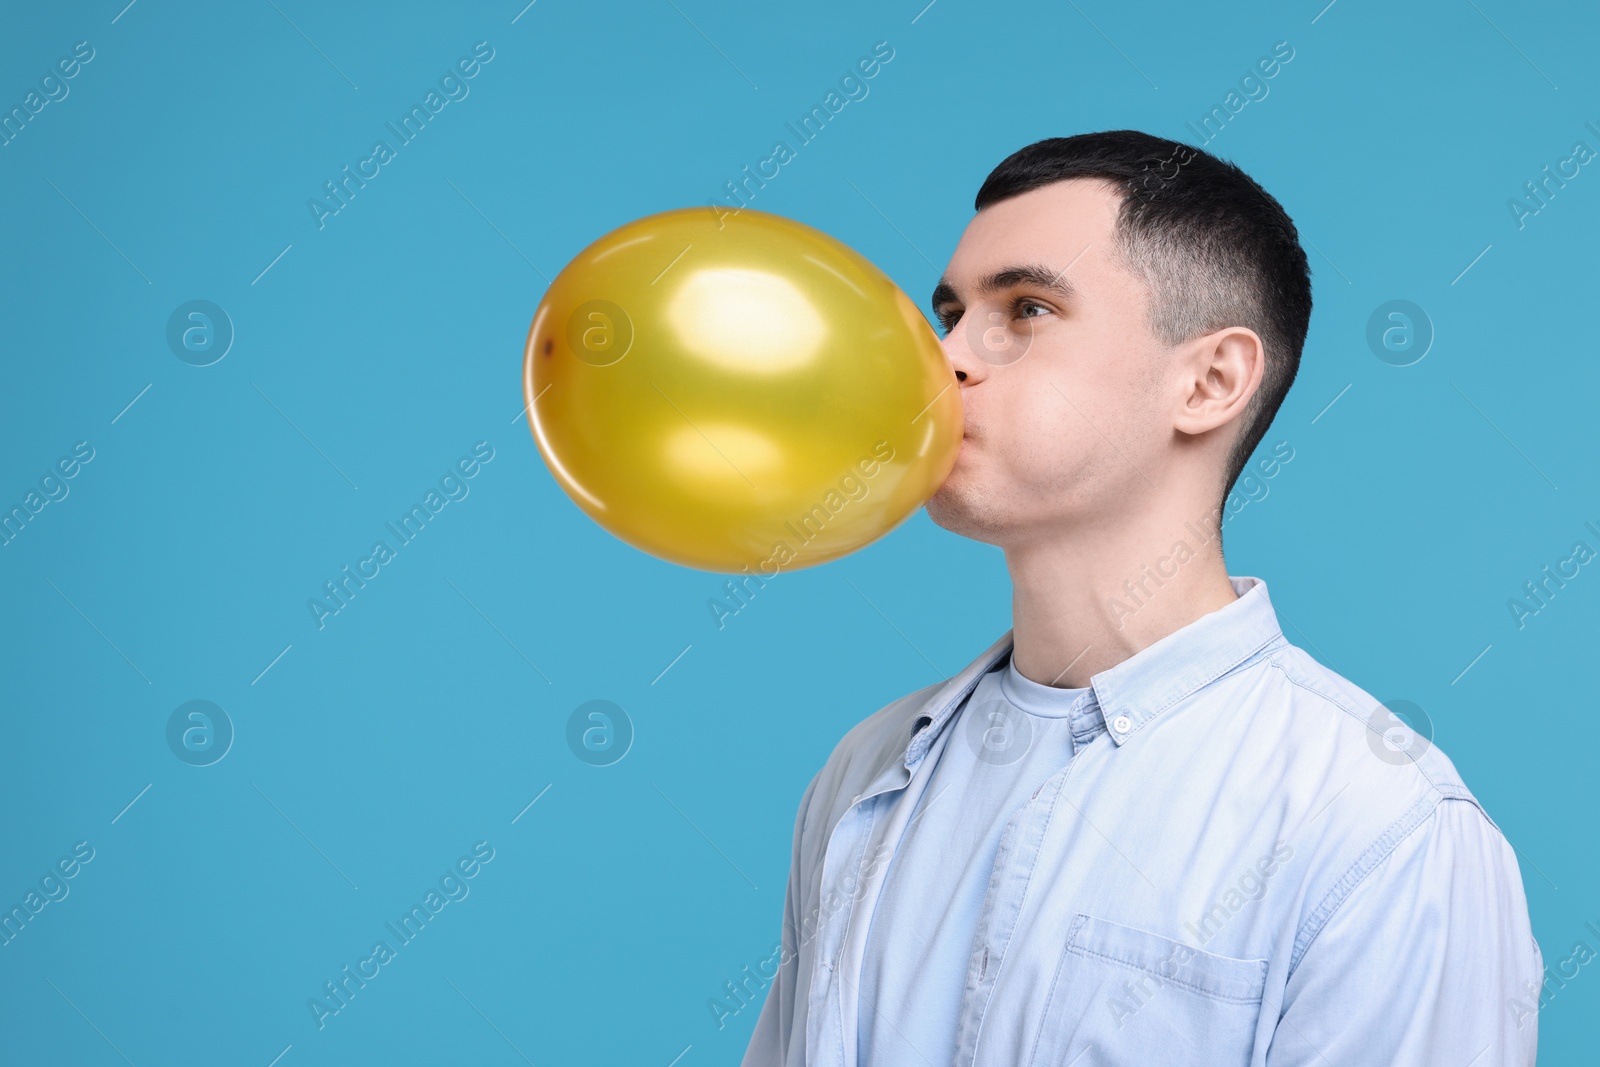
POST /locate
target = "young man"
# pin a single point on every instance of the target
(1141, 827)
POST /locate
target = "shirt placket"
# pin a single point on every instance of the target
(832, 1014)
(1014, 861)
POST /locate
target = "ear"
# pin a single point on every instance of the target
(1217, 376)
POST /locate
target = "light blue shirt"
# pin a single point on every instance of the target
(1011, 734)
(1243, 860)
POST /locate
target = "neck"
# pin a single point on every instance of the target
(1085, 601)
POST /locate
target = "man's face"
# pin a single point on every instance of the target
(1061, 380)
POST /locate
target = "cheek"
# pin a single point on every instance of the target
(1045, 440)
(1090, 427)
(1066, 400)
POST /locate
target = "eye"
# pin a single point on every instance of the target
(947, 321)
(1022, 304)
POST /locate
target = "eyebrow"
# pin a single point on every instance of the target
(1031, 274)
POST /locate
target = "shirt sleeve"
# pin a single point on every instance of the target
(774, 1032)
(1430, 959)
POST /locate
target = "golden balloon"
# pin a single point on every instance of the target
(738, 391)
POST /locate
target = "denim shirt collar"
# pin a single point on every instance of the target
(1152, 680)
(1135, 692)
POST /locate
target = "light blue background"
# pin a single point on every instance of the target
(375, 351)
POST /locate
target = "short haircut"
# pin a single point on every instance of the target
(1213, 248)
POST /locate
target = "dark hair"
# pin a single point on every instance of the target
(1213, 248)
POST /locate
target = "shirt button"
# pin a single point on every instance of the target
(856, 799)
(1122, 724)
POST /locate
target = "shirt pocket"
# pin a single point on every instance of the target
(1122, 995)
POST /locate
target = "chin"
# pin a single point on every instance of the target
(952, 510)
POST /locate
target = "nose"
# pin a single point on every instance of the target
(957, 346)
